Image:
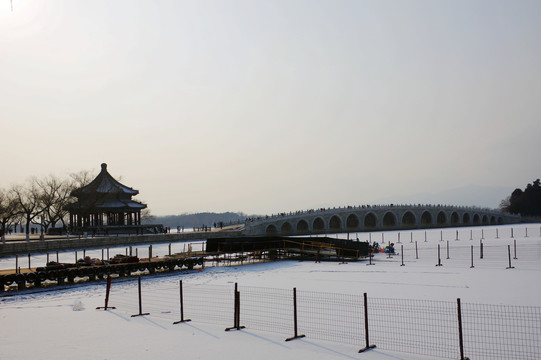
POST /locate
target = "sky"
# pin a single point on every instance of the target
(272, 106)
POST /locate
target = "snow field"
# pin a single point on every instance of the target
(65, 323)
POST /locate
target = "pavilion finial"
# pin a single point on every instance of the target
(103, 167)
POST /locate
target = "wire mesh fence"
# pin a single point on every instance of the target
(424, 327)
(420, 326)
(502, 331)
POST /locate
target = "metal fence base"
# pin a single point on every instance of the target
(367, 348)
(295, 337)
(235, 328)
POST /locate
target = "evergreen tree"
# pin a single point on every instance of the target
(527, 202)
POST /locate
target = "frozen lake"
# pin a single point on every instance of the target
(64, 323)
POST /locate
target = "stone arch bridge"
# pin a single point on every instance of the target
(375, 218)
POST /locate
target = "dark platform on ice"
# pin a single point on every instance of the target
(324, 246)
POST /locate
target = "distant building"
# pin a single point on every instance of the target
(105, 204)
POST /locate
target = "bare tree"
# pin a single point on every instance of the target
(54, 196)
(81, 179)
(27, 199)
(8, 211)
(146, 216)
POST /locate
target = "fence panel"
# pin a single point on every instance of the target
(210, 303)
(266, 309)
(414, 326)
(331, 317)
(501, 331)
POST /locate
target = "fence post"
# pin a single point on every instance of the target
(370, 255)
(515, 247)
(509, 253)
(447, 249)
(402, 253)
(480, 249)
(460, 335)
(140, 301)
(181, 307)
(416, 252)
(439, 257)
(368, 346)
(236, 311)
(471, 257)
(295, 316)
(497, 237)
(107, 292)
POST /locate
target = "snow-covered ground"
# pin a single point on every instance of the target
(64, 324)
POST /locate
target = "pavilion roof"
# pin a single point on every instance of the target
(104, 183)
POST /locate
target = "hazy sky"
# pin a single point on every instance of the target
(270, 106)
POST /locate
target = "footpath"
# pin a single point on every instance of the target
(16, 245)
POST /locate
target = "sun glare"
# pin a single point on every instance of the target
(17, 13)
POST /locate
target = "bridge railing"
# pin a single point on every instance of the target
(296, 214)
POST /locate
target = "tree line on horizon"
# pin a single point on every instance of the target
(40, 201)
(200, 219)
(525, 202)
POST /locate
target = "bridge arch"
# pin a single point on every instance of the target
(271, 230)
(389, 219)
(318, 225)
(466, 219)
(485, 220)
(492, 220)
(408, 219)
(500, 221)
(352, 222)
(426, 218)
(370, 220)
(455, 219)
(476, 219)
(286, 228)
(302, 226)
(335, 224)
(441, 219)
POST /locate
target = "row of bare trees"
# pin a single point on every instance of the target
(39, 201)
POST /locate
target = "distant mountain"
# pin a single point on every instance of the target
(199, 219)
(473, 195)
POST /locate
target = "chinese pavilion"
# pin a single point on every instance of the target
(104, 204)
